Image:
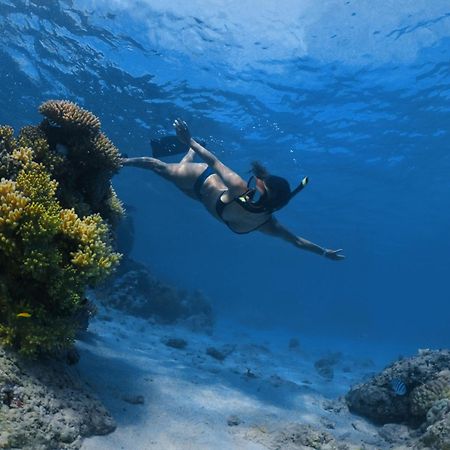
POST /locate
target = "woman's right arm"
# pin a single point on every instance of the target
(274, 228)
(235, 184)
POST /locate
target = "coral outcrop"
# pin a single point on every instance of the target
(135, 290)
(46, 406)
(55, 226)
(79, 156)
(69, 116)
(425, 406)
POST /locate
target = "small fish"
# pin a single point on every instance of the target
(398, 386)
(24, 314)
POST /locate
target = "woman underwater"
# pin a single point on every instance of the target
(227, 196)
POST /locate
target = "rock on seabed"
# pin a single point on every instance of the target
(44, 405)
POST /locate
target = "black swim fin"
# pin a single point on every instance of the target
(167, 146)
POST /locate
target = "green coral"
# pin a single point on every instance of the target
(49, 252)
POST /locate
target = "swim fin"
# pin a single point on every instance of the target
(167, 146)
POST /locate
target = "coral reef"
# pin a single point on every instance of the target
(54, 241)
(8, 166)
(79, 156)
(135, 290)
(45, 406)
(423, 397)
(425, 406)
(437, 427)
(69, 116)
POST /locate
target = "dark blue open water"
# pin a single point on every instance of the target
(355, 94)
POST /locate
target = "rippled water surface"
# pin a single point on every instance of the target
(354, 94)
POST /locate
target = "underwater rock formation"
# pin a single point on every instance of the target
(437, 427)
(44, 406)
(55, 228)
(178, 343)
(325, 366)
(424, 404)
(135, 290)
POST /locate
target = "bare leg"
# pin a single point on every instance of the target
(189, 157)
(146, 162)
(183, 175)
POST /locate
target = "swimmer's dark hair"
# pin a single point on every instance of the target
(259, 170)
(278, 191)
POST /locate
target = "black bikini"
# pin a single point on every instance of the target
(220, 205)
(200, 181)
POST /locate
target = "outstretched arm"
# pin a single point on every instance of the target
(274, 228)
(235, 184)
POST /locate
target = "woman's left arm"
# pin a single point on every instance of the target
(274, 228)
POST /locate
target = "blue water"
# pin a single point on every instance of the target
(353, 94)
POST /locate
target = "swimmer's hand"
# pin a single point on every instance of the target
(183, 133)
(333, 254)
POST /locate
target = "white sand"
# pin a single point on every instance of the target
(189, 396)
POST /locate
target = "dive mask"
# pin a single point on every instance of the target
(253, 193)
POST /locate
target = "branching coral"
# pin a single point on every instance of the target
(35, 138)
(80, 157)
(49, 254)
(70, 116)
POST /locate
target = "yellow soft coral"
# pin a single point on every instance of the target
(24, 155)
(93, 250)
(12, 204)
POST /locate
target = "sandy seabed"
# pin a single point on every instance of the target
(183, 398)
